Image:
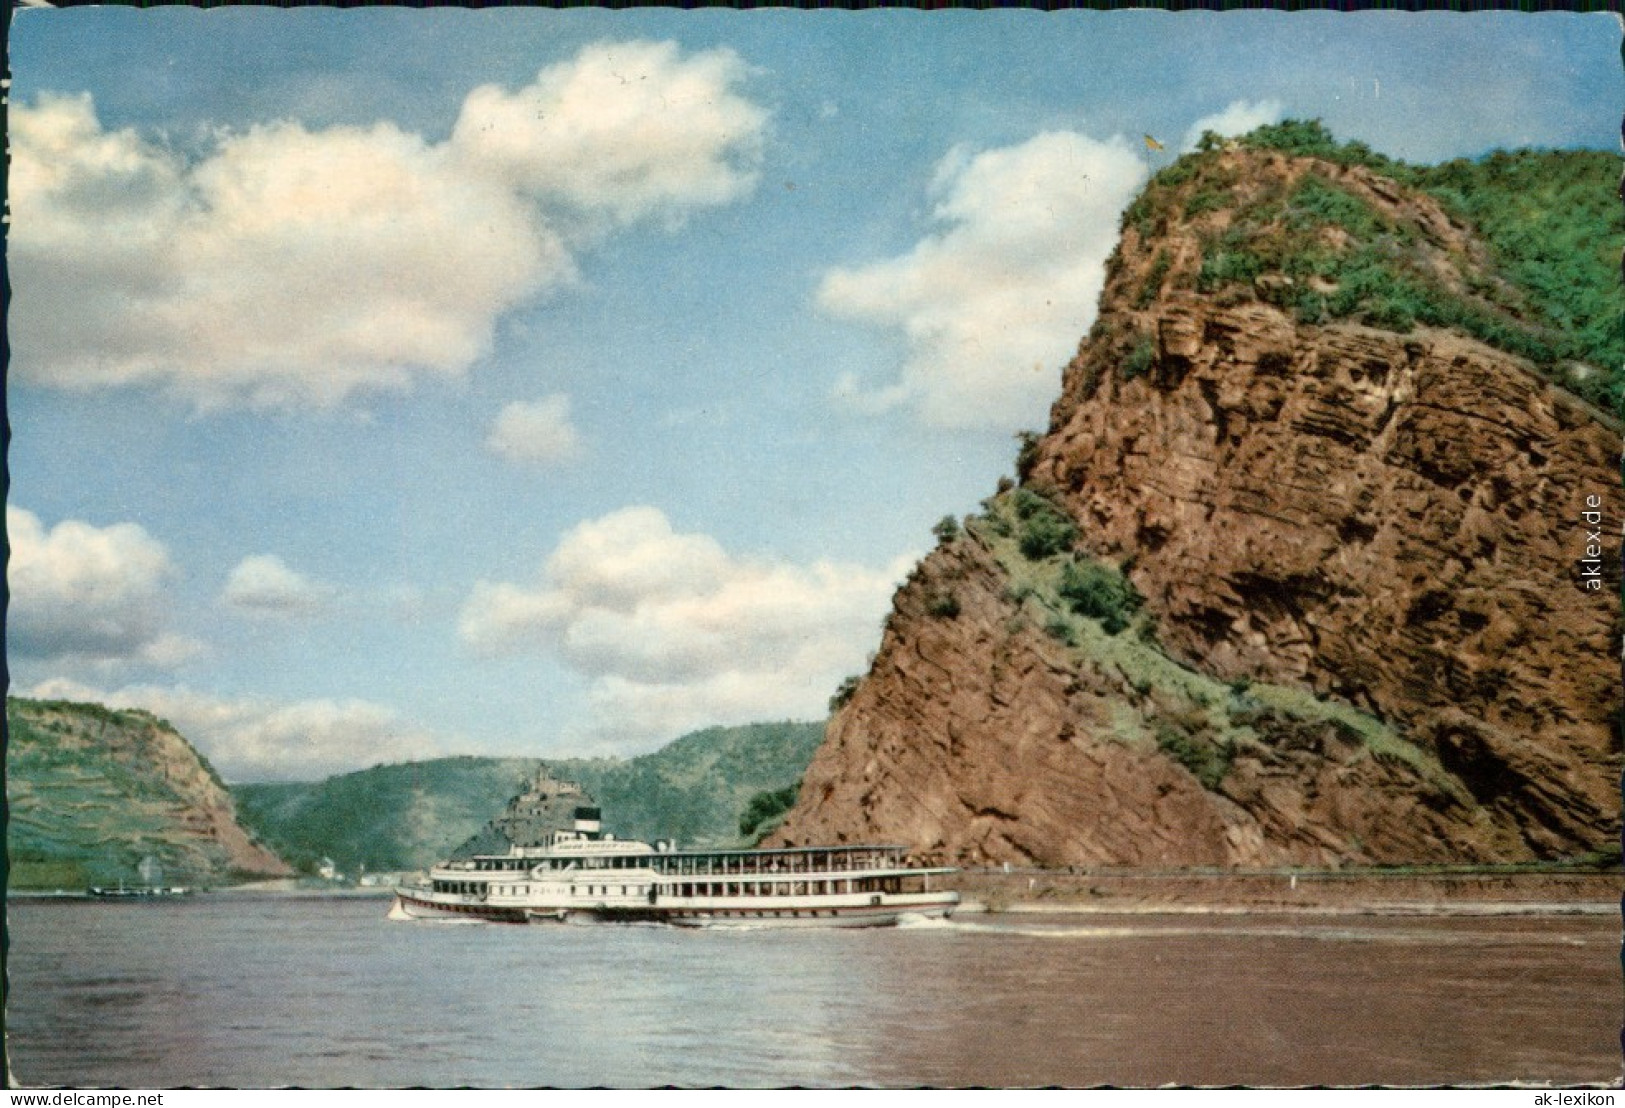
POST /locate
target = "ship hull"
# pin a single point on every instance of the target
(408, 906)
(870, 916)
(798, 912)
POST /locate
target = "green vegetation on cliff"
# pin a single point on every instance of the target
(1549, 222)
(766, 811)
(1197, 720)
(407, 816)
(92, 792)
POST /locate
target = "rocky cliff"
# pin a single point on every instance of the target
(1301, 573)
(94, 792)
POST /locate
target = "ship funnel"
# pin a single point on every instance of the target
(587, 820)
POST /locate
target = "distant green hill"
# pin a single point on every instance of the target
(409, 815)
(93, 792)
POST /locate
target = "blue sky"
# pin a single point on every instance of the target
(390, 383)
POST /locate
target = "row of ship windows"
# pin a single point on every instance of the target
(522, 864)
(683, 863)
(810, 913)
(789, 888)
(479, 888)
(708, 888)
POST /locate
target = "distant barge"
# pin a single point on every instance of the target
(152, 885)
(142, 892)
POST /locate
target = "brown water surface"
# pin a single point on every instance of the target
(251, 990)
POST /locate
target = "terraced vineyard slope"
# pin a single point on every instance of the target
(94, 792)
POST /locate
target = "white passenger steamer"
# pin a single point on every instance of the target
(579, 874)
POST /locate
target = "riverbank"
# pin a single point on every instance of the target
(1130, 891)
(1454, 892)
(281, 886)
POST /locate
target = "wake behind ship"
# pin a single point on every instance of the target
(547, 858)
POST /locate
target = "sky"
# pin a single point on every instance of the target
(388, 383)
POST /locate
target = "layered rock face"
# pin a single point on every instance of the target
(1390, 526)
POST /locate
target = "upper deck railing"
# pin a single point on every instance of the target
(788, 860)
(635, 855)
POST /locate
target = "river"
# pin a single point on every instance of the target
(262, 990)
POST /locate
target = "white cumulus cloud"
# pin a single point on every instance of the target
(535, 431)
(259, 739)
(626, 131)
(93, 593)
(993, 303)
(1237, 118)
(675, 632)
(284, 266)
(262, 584)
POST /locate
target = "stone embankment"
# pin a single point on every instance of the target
(1152, 891)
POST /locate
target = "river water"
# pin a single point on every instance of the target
(266, 990)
